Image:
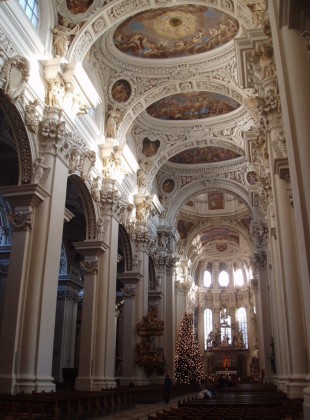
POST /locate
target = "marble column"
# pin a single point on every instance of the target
(170, 331)
(91, 249)
(293, 323)
(105, 343)
(14, 332)
(129, 323)
(294, 77)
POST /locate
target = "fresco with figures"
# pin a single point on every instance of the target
(175, 32)
(79, 6)
(192, 106)
(208, 154)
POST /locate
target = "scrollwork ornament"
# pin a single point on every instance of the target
(130, 292)
(20, 220)
(14, 76)
(89, 267)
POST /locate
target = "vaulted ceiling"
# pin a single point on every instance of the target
(173, 71)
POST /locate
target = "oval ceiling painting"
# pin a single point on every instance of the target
(207, 154)
(175, 32)
(79, 6)
(192, 106)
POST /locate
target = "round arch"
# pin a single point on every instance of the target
(125, 244)
(20, 136)
(200, 187)
(90, 211)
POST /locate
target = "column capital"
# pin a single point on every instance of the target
(26, 195)
(91, 248)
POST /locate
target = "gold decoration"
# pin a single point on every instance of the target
(150, 357)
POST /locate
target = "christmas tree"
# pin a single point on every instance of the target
(188, 358)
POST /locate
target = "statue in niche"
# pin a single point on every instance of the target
(62, 36)
(113, 120)
(39, 170)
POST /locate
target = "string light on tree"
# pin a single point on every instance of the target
(188, 358)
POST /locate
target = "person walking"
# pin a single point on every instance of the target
(167, 388)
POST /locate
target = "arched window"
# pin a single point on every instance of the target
(238, 278)
(31, 8)
(223, 278)
(226, 329)
(242, 324)
(207, 279)
(208, 325)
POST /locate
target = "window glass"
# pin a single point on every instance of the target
(223, 279)
(242, 325)
(207, 279)
(238, 277)
(31, 8)
(208, 325)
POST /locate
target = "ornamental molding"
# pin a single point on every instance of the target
(90, 267)
(113, 13)
(20, 220)
(8, 49)
(68, 295)
(14, 77)
(186, 68)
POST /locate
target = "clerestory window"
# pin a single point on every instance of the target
(31, 8)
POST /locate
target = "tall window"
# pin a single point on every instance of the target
(223, 278)
(225, 326)
(208, 325)
(242, 324)
(207, 279)
(238, 278)
(31, 8)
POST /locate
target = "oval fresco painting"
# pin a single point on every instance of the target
(121, 91)
(168, 185)
(175, 32)
(208, 154)
(252, 177)
(79, 6)
(192, 106)
(149, 147)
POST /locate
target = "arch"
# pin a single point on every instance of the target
(200, 187)
(21, 138)
(124, 243)
(90, 212)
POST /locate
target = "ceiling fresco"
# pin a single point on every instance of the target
(219, 234)
(175, 32)
(78, 6)
(208, 154)
(192, 106)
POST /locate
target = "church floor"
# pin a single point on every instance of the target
(141, 411)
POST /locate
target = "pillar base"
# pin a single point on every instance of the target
(293, 386)
(26, 384)
(94, 384)
(306, 397)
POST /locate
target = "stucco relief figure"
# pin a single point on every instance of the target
(32, 117)
(113, 120)
(56, 93)
(39, 170)
(62, 36)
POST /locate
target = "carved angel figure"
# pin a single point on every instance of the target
(62, 34)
